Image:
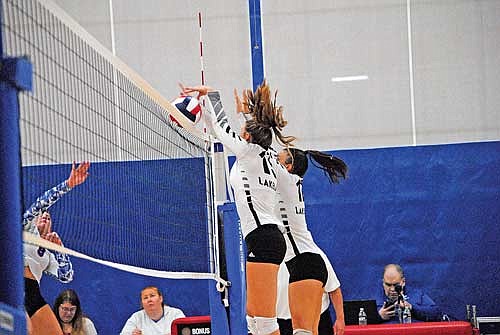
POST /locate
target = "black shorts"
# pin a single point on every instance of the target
(33, 299)
(307, 266)
(266, 244)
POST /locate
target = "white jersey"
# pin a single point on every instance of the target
(253, 175)
(140, 320)
(291, 210)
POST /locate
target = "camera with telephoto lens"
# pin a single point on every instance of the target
(398, 288)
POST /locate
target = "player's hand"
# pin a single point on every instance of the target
(339, 327)
(137, 332)
(201, 90)
(53, 237)
(78, 174)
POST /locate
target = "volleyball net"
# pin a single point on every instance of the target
(148, 202)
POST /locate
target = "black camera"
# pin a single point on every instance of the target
(398, 288)
(389, 303)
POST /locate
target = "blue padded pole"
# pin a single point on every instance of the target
(256, 43)
(15, 75)
(235, 262)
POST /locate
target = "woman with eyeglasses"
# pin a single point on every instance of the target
(69, 313)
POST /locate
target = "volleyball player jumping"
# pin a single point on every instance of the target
(38, 260)
(310, 271)
(253, 179)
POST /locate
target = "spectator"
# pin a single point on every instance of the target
(422, 307)
(69, 313)
(155, 317)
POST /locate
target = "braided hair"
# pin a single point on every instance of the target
(266, 117)
(334, 167)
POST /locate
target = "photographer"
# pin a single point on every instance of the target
(395, 293)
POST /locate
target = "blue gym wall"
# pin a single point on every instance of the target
(432, 209)
(109, 198)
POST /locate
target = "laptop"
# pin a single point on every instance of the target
(351, 311)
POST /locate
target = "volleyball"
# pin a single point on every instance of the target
(189, 106)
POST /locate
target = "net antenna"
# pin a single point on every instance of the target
(220, 176)
(148, 175)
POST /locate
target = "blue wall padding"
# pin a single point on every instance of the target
(433, 209)
(137, 213)
(140, 213)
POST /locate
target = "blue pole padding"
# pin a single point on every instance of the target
(235, 263)
(15, 75)
(219, 322)
(12, 320)
(256, 48)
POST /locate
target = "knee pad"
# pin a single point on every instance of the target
(252, 329)
(302, 332)
(265, 326)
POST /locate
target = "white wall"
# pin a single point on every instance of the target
(455, 62)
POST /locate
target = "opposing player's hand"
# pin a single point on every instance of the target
(53, 237)
(241, 103)
(78, 174)
(339, 327)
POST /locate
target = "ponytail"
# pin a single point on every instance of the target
(334, 167)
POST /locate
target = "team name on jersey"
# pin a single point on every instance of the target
(299, 210)
(268, 183)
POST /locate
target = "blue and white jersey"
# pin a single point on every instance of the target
(253, 175)
(39, 259)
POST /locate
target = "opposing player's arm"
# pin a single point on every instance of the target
(42, 203)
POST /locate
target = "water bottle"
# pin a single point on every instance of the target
(474, 317)
(397, 312)
(406, 315)
(362, 319)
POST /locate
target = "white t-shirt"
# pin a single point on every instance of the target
(88, 327)
(253, 175)
(140, 320)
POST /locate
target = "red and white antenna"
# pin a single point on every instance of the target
(201, 51)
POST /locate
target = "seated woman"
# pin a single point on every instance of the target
(155, 318)
(69, 313)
